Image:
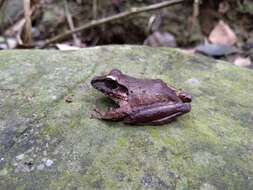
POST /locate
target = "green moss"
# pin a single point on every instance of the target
(62, 181)
(210, 147)
(3, 172)
(154, 133)
(50, 130)
(121, 141)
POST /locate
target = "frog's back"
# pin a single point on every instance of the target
(145, 91)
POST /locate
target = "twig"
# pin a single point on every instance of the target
(10, 21)
(196, 8)
(195, 13)
(94, 9)
(70, 22)
(27, 38)
(132, 11)
(1, 3)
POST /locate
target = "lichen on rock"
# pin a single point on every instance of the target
(49, 143)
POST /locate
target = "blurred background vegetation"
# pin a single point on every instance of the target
(216, 28)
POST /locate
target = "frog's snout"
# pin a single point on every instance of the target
(185, 107)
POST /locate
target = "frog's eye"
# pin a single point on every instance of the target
(111, 84)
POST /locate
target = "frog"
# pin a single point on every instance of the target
(140, 101)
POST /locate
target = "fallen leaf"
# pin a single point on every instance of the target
(216, 50)
(222, 34)
(242, 61)
(8, 43)
(66, 47)
(12, 43)
(190, 51)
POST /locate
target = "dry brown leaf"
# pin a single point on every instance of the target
(66, 47)
(222, 34)
(242, 61)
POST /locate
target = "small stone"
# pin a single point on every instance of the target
(242, 62)
(20, 157)
(193, 81)
(44, 159)
(1, 159)
(40, 167)
(44, 153)
(207, 186)
(49, 163)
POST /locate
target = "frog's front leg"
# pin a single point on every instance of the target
(158, 113)
(112, 114)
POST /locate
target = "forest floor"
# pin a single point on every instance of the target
(221, 29)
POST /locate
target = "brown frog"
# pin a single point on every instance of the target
(141, 101)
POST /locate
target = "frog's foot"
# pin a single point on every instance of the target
(96, 114)
(112, 114)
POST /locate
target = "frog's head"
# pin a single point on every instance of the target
(110, 86)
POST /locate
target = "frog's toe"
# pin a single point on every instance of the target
(96, 114)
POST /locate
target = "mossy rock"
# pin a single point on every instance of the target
(47, 142)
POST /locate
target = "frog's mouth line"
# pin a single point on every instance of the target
(113, 96)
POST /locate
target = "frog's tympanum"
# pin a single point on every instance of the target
(141, 101)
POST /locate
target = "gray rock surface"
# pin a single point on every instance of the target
(49, 143)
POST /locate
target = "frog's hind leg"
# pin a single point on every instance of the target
(164, 120)
(157, 114)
